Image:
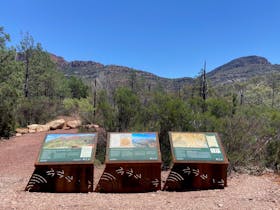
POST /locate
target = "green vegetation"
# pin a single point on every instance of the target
(246, 114)
(250, 131)
(32, 90)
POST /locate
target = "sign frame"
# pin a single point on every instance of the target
(63, 176)
(199, 174)
(91, 161)
(198, 161)
(107, 160)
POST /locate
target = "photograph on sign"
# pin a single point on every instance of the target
(196, 146)
(67, 148)
(133, 146)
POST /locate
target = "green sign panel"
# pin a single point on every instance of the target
(133, 146)
(67, 148)
(196, 146)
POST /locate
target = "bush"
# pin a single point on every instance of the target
(36, 110)
(80, 107)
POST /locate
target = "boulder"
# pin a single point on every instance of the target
(18, 134)
(32, 126)
(38, 128)
(41, 128)
(74, 123)
(56, 124)
(22, 130)
(31, 131)
(92, 126)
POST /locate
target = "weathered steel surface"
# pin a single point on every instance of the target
(197, 174)
(130, 178)
(132, 175)
(62, 178)
(66, 176)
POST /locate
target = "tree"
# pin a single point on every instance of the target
(77, 87)
(203, 84)
(44, 87)
(127, 104)
(274, 85)
(10, 86)
(4, 37)
(106, 115)
(26, 49)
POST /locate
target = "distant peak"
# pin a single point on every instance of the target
(247, 60)
(242, 62)
(253, 59)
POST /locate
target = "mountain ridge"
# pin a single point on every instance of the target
(110, 77)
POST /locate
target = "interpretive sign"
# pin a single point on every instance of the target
(133, 146)
(64, 164)
(67, 148)
(133, 163)
(199, 162)
(196, 146)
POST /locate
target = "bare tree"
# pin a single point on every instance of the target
(26, 48)
(203, 83)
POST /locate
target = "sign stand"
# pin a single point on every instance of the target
(199, 162)
(133, 164)
(64, 164)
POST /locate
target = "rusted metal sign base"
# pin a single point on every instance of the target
(196, 176)
(130, 178)
(68, 178)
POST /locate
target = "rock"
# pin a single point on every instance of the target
(41, 128)
(56, 124)
(74, 123)
(38, 128)
(18, 134)
(22, 130)
(88, 126)
(92, 126)
(32, 127)
(220, 204)
(268, 170)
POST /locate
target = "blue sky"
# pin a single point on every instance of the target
(170, 38)
(138, 136)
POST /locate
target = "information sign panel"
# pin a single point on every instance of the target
(67, 148)
(196, 146)
(199, 162)
(133, 146)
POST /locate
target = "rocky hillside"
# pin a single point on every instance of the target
(242, 69)
(110, 77)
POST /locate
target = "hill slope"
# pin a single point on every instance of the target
(242, 69)
(110, 77)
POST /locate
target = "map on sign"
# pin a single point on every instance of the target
(67, 148)
(133, 146)
(196, 146)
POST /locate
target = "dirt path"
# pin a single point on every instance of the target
(17, 157)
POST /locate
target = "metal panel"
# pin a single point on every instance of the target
(131, 175)
(197, 174)
(62, 179)
(64, 176)
(130, 178)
